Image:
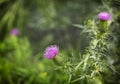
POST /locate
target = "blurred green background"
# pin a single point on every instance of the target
(42, 23)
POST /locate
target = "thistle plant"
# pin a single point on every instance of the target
(91, 67)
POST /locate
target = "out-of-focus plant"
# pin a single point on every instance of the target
(12, 15)
(19, 66)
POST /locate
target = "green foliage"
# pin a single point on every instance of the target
(93, 65)
(18, 66)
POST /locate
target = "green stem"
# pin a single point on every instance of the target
(85, 61)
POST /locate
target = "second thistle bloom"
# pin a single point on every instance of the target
(51, 51)
(104, 16)
(15, 31)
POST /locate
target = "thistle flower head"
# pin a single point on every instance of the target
(15, 31)
(51, 51)
(104, 16)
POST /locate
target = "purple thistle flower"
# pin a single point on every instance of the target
(104, 16)
(51, 52)
(15, 31)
